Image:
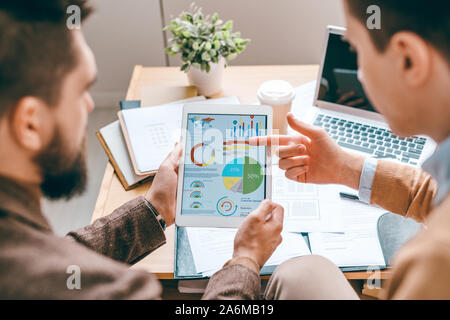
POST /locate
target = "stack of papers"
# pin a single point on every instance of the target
(358, 245)
(213, 247)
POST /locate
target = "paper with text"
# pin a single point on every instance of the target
(213, 247)
(359, 244)
(307, 207)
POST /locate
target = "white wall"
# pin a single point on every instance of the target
(121, 35)
(124, 33)
(282, 31)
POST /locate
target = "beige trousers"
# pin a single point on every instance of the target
(309, 278)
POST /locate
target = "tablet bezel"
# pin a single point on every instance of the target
(218, 221)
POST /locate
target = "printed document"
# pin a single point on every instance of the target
(307, 207)
(213, 247)
(359, 244)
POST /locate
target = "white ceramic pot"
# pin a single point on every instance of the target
(207, 83)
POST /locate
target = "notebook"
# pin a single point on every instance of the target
(150, 133)
(113, 142)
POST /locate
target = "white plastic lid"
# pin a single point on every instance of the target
(276, 93)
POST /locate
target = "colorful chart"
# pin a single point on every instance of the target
(247, 129)
(226, 207)
(197, 184)
(201, 149)
(196, 205)
(242, 175)
(196, 194)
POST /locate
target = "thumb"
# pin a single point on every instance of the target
(278, 213)
(176, 152)
(263, 210)
(302, 127)
(174, 156)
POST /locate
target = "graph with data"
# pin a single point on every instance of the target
(223, 174)
(243, 175)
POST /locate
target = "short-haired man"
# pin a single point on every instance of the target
(405, 70)
(45, 74)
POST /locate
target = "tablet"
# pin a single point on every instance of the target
(221, 178)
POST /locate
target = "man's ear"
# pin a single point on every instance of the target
(31, 124)
(414, 57)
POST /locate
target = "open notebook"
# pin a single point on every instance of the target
(150, 133)
(113, 142)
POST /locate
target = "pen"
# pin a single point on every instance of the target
(348, 196)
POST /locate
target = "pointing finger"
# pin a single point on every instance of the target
(288, 163)
(302, 127)
(278, 140)
(291, 151)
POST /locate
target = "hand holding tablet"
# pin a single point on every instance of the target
(260, 234)
(222, 179)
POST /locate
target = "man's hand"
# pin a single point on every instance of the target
(259, 234)
(313, 156)
(163, 192)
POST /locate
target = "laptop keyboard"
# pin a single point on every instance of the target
(376, 141)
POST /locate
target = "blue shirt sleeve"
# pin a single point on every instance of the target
(366, 179)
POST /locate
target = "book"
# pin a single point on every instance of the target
(129, 104)
(150, 133)
(113, 142)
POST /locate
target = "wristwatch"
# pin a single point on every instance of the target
(157, 215)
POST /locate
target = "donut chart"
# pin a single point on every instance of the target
(200, 149)
(242, 175)
(226, 206)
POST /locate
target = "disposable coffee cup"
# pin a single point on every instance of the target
(278, 94)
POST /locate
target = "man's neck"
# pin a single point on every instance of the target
(21, 171)
(33, 187)
(439, 127)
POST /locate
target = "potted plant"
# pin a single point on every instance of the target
(205, 44)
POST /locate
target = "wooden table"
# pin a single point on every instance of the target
(241, 81)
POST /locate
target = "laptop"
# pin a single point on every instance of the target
(344, 111)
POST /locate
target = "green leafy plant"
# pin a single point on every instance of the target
(202, 40)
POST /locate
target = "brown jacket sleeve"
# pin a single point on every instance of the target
(234, 282)
(128, 234)
(238, 280)
(403, 189)
(421, 267)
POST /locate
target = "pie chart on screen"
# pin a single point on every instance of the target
(242, 175)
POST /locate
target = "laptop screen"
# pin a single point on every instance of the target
(339, 82)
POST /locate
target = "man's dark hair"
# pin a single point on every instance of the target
(35, 49)
(428, 19)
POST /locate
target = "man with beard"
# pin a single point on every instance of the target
(46, 71)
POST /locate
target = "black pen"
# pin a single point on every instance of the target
(348, 196)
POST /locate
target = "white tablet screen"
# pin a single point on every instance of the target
(223, 175)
